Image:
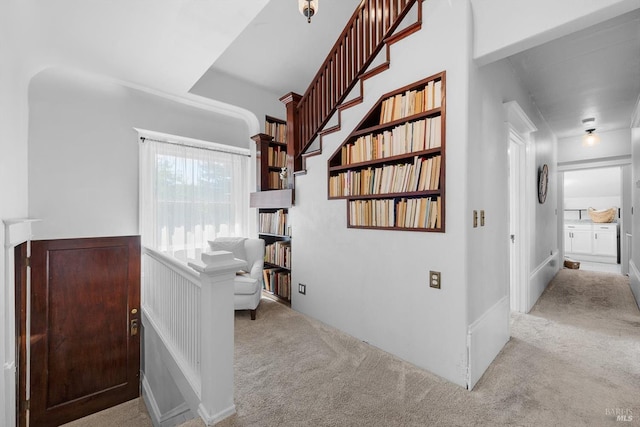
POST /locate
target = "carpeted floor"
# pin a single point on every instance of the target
(572, 361)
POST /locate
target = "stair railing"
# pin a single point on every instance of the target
(359, 43)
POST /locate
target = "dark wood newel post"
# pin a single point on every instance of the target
(294, 160)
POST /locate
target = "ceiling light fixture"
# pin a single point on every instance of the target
(308, 8)
(590, 138)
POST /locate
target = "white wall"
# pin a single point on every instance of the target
(223, 87)
(505, 27)
(83, 150)
(634, 267)
(373, 284)
(599, 188)
(13, 189)
(614, 146)
(493, 85)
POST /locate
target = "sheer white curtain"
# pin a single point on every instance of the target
(190, 194)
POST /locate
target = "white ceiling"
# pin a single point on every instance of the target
(163, 45)
(279, 50)
(168, 46)
(591, 73)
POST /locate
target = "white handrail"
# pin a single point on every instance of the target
(191, 309)
(171, 299)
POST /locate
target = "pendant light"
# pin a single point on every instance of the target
(308, 8)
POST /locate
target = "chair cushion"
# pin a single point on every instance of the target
(234, 245)
(243, 285)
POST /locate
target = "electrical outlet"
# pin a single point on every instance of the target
(434, 279)
(302, 289)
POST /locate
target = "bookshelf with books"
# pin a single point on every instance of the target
(391, 168)
(273, 198)
(271, 154)
(273, 228)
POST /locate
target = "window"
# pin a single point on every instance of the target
(191, 192)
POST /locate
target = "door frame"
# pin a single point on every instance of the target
(517, 229)
(16, 232)
(624, 164)
(518, 130)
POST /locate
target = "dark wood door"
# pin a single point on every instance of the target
(85, 308)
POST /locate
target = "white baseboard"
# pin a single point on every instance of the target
(212, 419)
(540, 278)
(8, 394)
(634, 280)
(485, 339)
(174, 417)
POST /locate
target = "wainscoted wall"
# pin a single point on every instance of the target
(486, 337)
(541, 276)
(634, 278)
(167, 406)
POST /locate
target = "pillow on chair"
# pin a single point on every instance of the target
(234, 245)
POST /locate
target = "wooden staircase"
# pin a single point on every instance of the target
(371, 28)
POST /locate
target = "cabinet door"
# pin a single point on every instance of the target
(567, 240)
(581, 242)
(605, 243)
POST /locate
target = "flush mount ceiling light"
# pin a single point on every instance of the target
(308, 8)
(590, 138)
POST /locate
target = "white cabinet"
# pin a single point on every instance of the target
(605, 240)
(592, 241)
(578, 239)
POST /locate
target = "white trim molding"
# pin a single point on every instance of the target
(485, 338)
(540, 278)
(635, 117)
(518, 119)
(519, 128)
(178, 415)
(634, 280)
(16, 232)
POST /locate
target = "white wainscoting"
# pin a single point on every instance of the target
(634, 280)
(178, 415)
(540, 278)
(485, 339)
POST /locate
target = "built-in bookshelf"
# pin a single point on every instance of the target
(274, 229)
(271, 154)
(391, 168)
(273, 198)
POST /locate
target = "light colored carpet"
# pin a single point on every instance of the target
(572, 361)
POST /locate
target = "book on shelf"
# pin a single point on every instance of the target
(277, 130)
(278, 253)
(277, 157)
(275, 183)
(413, 101)
(407, 138)
(421, 212)
(278, 282)
(423, 174)
(273, 222)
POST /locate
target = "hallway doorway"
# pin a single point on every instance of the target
(596, 245)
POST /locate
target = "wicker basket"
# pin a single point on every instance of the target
(605, 215)
(572, 264)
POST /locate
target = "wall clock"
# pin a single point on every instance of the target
(543, 181)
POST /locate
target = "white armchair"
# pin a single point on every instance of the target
(247, 285)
